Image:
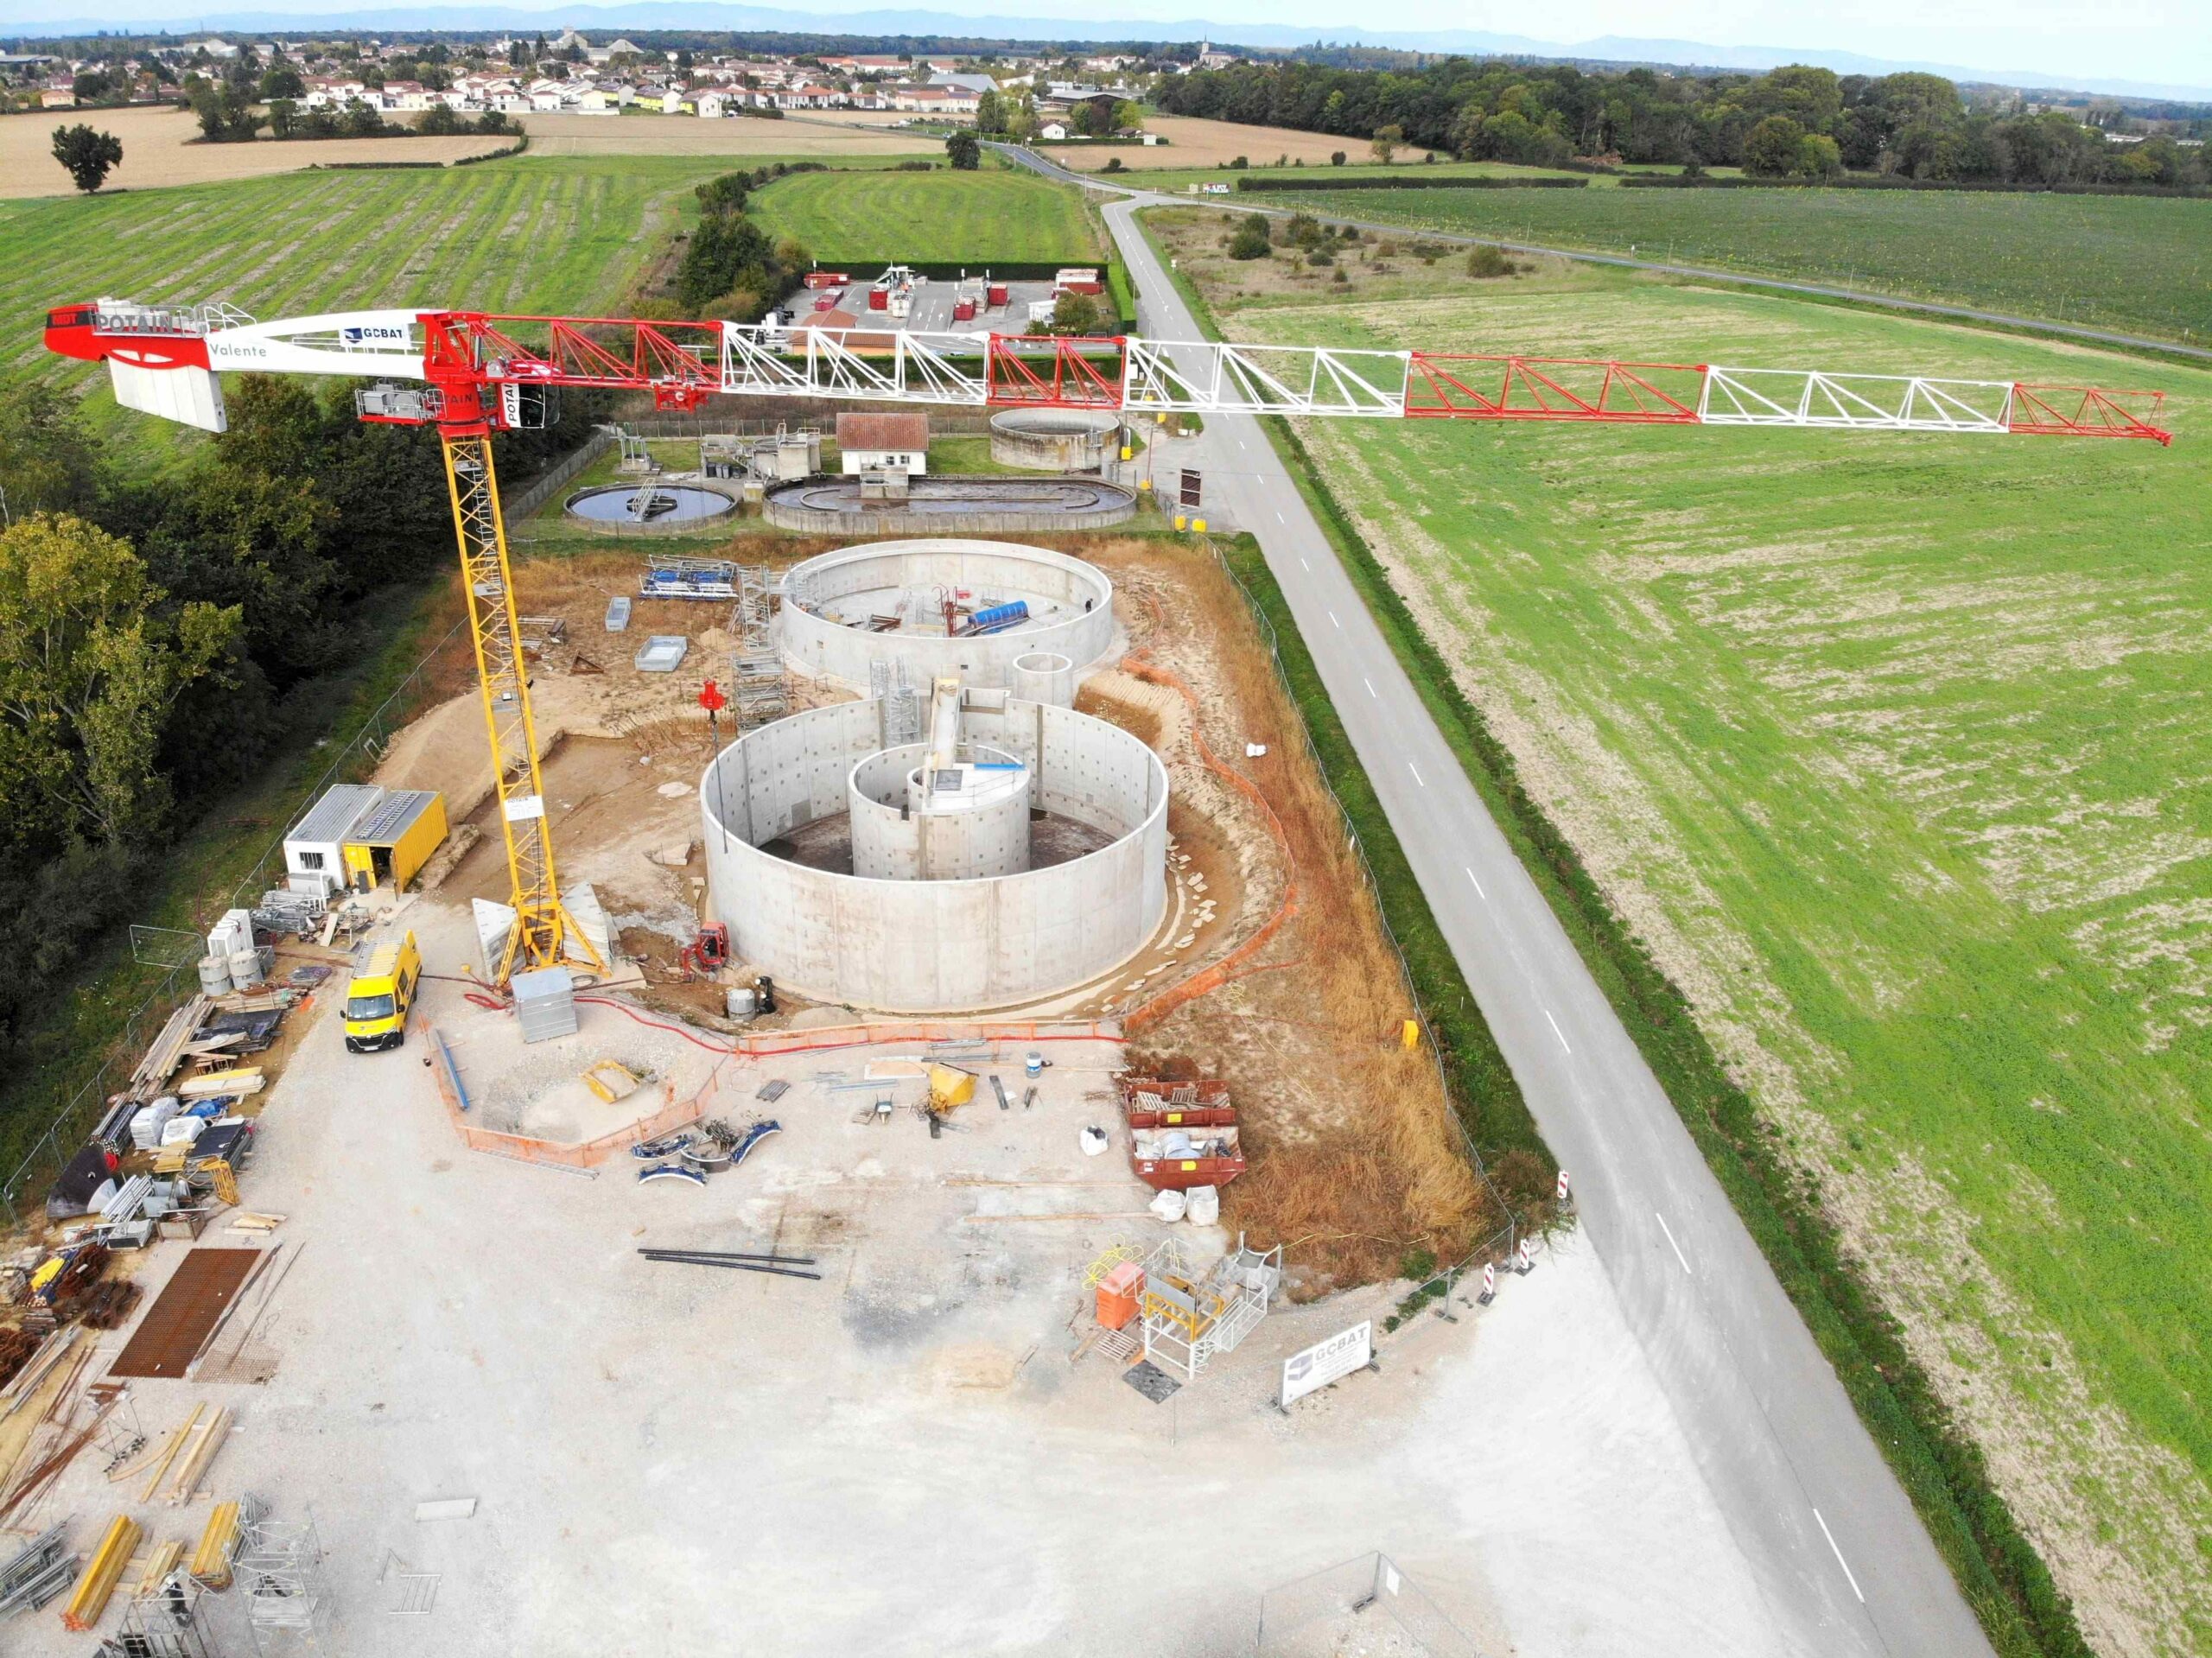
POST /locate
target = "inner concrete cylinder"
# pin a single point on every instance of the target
(967, 821)
(1042, 676)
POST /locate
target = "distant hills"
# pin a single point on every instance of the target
(23, 17)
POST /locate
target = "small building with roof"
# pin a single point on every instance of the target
(881, 443)
(360, 837)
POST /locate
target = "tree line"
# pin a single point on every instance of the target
(163, 636)
(1797, 120)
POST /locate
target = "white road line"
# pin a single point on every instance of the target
(1415, 769)
(1334, 623)
(1684, 1260)
(1839, 1561)
(1302, 564)
(1369, 683)
(1476, 885)
(1279, 518)
(1556, 1032)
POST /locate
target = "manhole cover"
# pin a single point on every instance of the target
(1152, 1381)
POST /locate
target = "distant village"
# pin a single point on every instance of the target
(569, 74)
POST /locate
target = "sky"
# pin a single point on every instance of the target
(2163, 41)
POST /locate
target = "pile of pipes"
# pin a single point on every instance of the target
(691, 1155)
(732, 1260)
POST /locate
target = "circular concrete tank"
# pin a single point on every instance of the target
(1054, 440)
(1042, 676)
(899, 940)
(838, 608)
(968, 820)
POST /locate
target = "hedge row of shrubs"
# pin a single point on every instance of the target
(1891, 181)
(1410, 181)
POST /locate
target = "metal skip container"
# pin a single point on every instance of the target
(545, 1003)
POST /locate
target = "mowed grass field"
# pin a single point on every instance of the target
(510, 236)
(1896, 751)
(2135, 263)
(941, 215)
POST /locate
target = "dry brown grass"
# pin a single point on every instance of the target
(1195, 142)
(1374, 1167)
(686, 134)
(157, 150)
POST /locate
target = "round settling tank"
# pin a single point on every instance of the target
(943, 907)
(926, 606)
(1054, 440)
(649, 508)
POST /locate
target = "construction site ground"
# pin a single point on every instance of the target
(902, 1456)
(899, 1457)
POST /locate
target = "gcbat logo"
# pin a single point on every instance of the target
(372, 333)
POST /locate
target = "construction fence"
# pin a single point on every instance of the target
(1344, 1608)
(84, 1108)
(1501, 1243)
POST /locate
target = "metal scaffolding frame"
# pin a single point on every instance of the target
(1191, 1319)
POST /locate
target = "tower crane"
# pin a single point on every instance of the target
(471, 374)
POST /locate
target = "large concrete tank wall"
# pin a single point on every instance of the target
(1053, 439)
(935, 946)
(814, 645)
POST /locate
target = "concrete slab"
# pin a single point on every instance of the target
(899, 1458)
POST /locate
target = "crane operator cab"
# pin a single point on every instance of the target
(380, 993)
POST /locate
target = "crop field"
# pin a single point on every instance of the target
(517, 236)
(160, 148)
(1359, 168)
(1894, 751)
(943, 215)
(2143, 264)
(755, 139)
(1193, 141)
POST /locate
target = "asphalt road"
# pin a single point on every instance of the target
(1037, 163)
(1843, 1560)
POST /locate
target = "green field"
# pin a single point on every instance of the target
(1895, 752)
(1180, 178)
(2142, 264)
(525, 236)
(929, 218)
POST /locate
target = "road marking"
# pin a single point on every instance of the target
(1302, 564)
(1476, 885)
(1556, 1032)
(1839, 1561)
(1369, 683)
(1684, 1260)
(1278, 517)
(1334, 623)
(1415, 769)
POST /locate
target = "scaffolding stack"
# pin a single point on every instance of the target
(1191, 1318)
(901, 707)
(280, 1563)
(760, 686)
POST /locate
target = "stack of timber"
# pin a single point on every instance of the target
(100, 1577)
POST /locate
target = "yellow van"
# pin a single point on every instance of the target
(380, 995)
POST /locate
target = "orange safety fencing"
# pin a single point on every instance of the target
(1232, 965)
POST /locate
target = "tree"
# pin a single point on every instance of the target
(1128, 117)
(46, 460)
(1774, 147)
(86, 155)
(1075, 314)
(991, 113)
(1386, 143)
(283, 117)
(282, 80)
(966, 152)
(1250, 241)
(90, 665)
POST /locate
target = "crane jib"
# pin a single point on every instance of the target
(167, 361)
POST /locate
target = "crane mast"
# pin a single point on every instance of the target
(543, 932)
